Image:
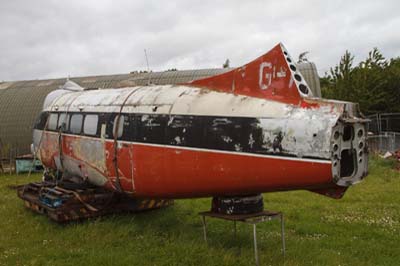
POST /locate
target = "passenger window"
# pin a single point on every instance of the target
(76, 124)
(53, 122)
(120, 126)
(63, 121)
(90, 125)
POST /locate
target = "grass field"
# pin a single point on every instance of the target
(363, 228)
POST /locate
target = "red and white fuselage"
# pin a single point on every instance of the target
(251, 130)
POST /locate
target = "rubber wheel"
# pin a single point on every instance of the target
(238, 204)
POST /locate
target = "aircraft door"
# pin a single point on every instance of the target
(123, 157)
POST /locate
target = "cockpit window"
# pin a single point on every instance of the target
(41, 121)
(52, 125)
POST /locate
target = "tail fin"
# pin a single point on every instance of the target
(273, 76)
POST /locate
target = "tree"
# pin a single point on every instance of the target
(303, 57)
(226, 64)
(373, 83)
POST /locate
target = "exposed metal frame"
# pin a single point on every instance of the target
(252, 219)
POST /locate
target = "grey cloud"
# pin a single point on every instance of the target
(48, 39)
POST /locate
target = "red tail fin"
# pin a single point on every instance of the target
(273, 75)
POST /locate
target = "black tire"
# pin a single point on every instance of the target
(238, 204)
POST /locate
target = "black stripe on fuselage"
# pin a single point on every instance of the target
(238, 134)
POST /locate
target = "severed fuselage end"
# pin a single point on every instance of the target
(251, 130)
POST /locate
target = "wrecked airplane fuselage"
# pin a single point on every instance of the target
(254, 129)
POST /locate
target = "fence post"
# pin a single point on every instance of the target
(10, 161)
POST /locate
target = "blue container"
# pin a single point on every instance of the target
(24, 164)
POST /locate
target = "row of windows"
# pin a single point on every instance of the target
(73, 123)
(238, 134)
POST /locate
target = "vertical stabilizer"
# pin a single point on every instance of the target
(273, 76)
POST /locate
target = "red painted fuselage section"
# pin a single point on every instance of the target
(254, 129)
(149, 170)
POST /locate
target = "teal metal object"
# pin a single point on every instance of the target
(25, 164)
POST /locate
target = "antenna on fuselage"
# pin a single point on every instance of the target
(148, 68)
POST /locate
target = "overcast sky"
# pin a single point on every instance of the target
(51, 39)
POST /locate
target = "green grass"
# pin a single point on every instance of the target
(363, 228)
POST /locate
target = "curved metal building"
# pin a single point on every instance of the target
(22, 101)
(310, 74)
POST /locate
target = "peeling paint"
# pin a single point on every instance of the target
(268, 76)
(174, 137)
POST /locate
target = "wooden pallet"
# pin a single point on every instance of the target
(65, 205)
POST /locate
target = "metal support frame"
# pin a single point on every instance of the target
(252, 219)
(204, 228)
(255, 245)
